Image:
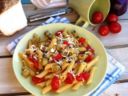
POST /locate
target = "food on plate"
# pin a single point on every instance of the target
(103, 30)
(115, 27)
(97, 17)
(59, 61)
(12, 17)
(112, 18)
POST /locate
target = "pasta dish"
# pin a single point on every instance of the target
(59, 61)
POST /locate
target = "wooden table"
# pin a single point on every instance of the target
(116, 44)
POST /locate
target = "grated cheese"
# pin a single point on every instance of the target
(52, 50)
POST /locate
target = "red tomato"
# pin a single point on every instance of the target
(70, 78)
(81, 40)
(103, 30)
(59, 32)
(57, 57)
(90, 48)
(115, 27)
(85, 75)
(66, 43)
(89, 58)
(30, 57)
(34, 61)
(79, 77)
(97, 17)
(112, 18)
(55, 83)
(36, 80)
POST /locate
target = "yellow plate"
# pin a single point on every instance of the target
(93, 41)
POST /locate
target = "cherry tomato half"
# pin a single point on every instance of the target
(58, 33)
(85, 75)
(79, 77)
(55, 83)
(66, 43)
(89, 58)
(81, 40)
(34, 61)
(57, 57)
(89, 48)
(70, 78)
(36, 80)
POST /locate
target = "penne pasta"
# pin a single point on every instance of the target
(64, 87)
(50, 65)
(76, 67)
(52, 44)
(81, 67)
(64, 66)
(42, 74)
(58, 61)
(46, 89)
(48, 34)
(48, 82)
(77, 85)
(92, 63)
(40, 54)
(82, 56)
(41, 85)
(25, 71)
(82, 49)
(65, 33)
(63, 77)
(49, 76)
(44, 61)
(91, 76)
(27, 62)
(69, 68)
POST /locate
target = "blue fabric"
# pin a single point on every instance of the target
(114, 71)
(25, 1)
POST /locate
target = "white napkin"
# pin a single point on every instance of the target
(43, 4)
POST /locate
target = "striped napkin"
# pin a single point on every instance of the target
(114, 71)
